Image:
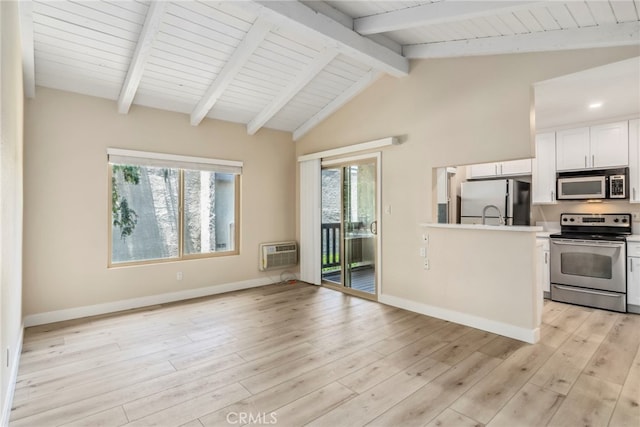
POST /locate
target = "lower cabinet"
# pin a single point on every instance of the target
(633, 277)
(544, 272)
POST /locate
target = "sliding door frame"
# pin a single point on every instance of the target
(346, 161)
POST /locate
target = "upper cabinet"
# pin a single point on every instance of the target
(499, 169)
(634, 161)
(544, 170)
(610, 145)
(516, 167)
(599, 146)
(482, 170)
(572, 149)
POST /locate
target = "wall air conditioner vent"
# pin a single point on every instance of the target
(278, 255)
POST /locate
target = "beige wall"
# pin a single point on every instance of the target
(450, 112)
(66, 194)
(11, 124)
(467, 262)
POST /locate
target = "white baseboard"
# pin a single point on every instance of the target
(13, 377)
(112, 307)
(522, 334)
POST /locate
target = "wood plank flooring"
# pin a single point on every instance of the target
(295, 354)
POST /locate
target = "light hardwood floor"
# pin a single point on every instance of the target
(293, 355)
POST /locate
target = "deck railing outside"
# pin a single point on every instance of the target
(330, 245)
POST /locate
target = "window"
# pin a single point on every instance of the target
(167, 208)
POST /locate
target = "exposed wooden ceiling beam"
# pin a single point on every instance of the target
(239, 58)
(347, 21)
(28, 53)
(141, 55)
(290, 91)
(337, 103)
(624, 34)
(433, 13)
(333, 34)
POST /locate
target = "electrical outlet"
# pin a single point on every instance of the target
(636, 215)
(179, 275)
(423, 252)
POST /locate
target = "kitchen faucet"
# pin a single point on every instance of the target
(484, 213)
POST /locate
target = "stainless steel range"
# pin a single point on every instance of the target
(588, 260)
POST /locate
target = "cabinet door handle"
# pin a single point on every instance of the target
(593, 160)
(552, 199)
(500, 168)
(495, 169)
(546, 256)
(634, 193)
(585, 161)
(631, 265)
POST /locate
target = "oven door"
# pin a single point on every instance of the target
(593, 264)
(582, 187)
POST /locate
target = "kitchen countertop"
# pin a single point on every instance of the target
(633, 238)
(546, 234)
(520, 228)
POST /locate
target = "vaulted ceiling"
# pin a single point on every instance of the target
(284, 65)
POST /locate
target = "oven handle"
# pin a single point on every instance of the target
(583, 243)
(586, 291)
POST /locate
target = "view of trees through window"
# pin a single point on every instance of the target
(146, 214)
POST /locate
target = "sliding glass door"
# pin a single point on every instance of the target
(349, 226)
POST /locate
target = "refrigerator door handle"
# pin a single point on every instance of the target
(509, 199)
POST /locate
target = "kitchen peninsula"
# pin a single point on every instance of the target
(484, 276)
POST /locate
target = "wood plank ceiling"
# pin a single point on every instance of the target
(284, 65)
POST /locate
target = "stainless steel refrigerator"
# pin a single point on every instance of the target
(508, 199)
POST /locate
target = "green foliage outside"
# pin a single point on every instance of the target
(324, 258)
(124, 217)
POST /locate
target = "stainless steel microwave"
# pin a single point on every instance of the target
(593, 184)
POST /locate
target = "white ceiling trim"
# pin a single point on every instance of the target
(433, 13)
(28, 53)
(623, 34)
(337, 103)
(333, 34)
(290, 91)
(140, 56)
(255, 36)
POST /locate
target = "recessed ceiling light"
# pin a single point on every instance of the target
(594, 105)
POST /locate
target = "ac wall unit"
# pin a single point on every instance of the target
(278, 255)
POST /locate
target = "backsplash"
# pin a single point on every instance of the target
(551, 213)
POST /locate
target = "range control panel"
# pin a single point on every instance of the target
(596, 220)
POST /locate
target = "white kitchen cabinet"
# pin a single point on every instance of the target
(633, 277)
(610, 145)
(500, 169)
(544, 267)
(634, 161)
(601, 146)
(516, 167)
(572, 149)
(482, 170)
(544, 170)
